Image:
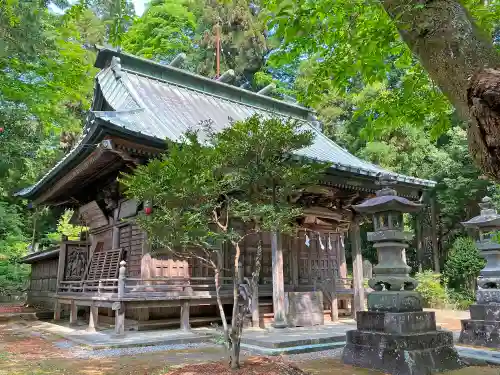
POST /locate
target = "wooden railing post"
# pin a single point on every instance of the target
(99, 287)
(121, 279)
(185, 315)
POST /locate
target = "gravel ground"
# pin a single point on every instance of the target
(82, 353)
(332, 353)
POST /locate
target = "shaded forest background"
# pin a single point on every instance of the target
(345, 59)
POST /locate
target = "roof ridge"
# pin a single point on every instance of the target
(161, 80)
(183, 77)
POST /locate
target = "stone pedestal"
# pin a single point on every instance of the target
(400, 343)
(304, 309)
(395, 335)
(483, 327)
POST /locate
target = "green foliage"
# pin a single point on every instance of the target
(218, 188)
(461, 299)
(352, 46)
(242, 38)
(463, 265)
(246, 171)
(46, 81)
(166, 29)
(65, 228)
(431, 289)
(13, 246)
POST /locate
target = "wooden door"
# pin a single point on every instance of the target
(319, 258)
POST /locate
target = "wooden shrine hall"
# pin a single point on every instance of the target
(111, 275)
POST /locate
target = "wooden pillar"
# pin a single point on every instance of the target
(342, 261)
(357, 267)
(185, 315)
(73, 314)
(120, 320)
(334, 308)
(294, 264)
(278, 283)
(115, 241)
(435, 250)
(419, 241)
(61, 265)
(93, 318)
(57, 310)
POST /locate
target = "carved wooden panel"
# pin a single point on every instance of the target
(76, 262)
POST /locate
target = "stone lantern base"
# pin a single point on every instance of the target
(483, 327)
(400, 343)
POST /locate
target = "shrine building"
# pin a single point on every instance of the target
(137, 104)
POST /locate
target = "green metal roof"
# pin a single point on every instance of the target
(149, 100)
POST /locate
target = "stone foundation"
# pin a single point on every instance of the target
(304, 309)
(400, 344)
(483, 327)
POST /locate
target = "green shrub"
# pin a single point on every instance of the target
(431, 289)
(461, 299)
(463, 265)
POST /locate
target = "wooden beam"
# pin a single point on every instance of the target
(357, 267)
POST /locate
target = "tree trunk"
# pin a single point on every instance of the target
(461, 59)
(234, 336)
(219, 301)
(255, 281)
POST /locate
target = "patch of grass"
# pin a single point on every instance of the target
(4, 356)
(163, 370)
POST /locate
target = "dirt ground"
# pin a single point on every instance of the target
(24, 352)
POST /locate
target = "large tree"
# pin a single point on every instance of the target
(362, 40)
(46, 80)
(165, 29)
(224, 190)
(242, 33)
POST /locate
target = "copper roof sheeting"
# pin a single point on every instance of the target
(159, 101)
(162, 109)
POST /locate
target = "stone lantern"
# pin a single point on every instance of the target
(395, 335)
(483, 327)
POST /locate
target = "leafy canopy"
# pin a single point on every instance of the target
(246, 172)
(352, 45)
(166, 29)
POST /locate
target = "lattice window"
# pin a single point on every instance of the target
(104, 265)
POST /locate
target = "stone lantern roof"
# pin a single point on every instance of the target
(488, 217)
(386, 199)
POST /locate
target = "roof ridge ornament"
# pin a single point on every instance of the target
(385, 180)
(116, 67)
